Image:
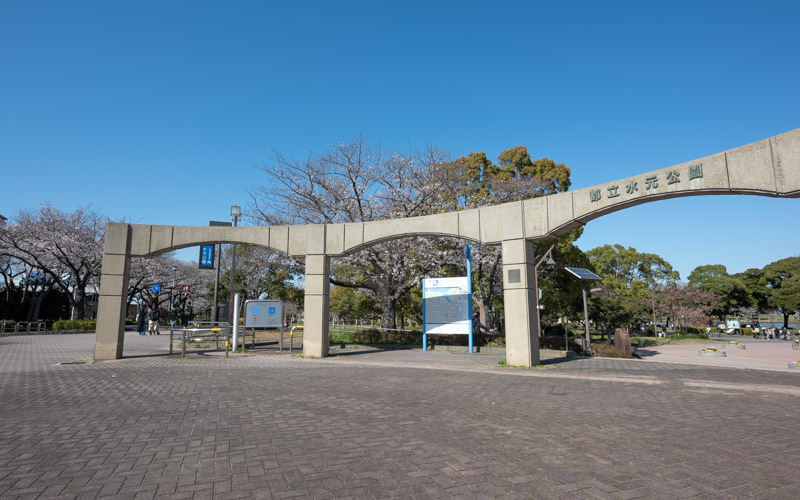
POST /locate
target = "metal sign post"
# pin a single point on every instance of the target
(235, 321)
(468, 256)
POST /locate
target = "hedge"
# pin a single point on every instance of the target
(75, 324)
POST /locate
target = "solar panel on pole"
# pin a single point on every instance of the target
(583, 274)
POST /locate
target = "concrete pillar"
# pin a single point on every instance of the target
(111, 307)
(317, 294)
(521, 300)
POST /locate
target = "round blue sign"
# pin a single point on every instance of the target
(156, 288)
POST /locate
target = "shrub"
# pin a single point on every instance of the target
(701, 336)
(557, 343)
(375, 336)
(553, 331)
(75, 324)
(608, 351)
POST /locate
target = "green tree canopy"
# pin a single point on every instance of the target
(731, 291)
(782, 279)
(629, 278)
(515, 177)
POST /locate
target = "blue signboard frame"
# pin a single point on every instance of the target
(206, 260)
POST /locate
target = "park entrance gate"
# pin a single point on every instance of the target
(770, 167)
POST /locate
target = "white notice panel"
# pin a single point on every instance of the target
(446, 306)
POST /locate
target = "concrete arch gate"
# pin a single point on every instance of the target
(770, 167)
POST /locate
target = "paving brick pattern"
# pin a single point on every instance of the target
(404, 424)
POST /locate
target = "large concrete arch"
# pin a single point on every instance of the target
(770, 167)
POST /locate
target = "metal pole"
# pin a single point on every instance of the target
(586, 317)
(235, 321)
(170, 340)
(183, 344)
(233, 278)
(468, 257)
(653, 295)
(215, 310)
(171, 296)
(536, 284)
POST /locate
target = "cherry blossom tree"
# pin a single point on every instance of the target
(261, 273)
(357, 182)
(685, 303)
(146, 272)
(66, 247)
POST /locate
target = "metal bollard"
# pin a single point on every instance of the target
(170, 341)
(217, 332)
(183, 345)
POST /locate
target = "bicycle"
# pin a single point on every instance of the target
(796, 343)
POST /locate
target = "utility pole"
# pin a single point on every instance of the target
(218, 246)
(215, 310)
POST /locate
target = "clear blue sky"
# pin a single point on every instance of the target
(158, 112)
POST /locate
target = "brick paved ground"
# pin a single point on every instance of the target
(386, 424)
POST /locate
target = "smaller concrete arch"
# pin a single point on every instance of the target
(350, 238)
(151, 240)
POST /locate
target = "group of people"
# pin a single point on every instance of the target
(771, 333)
(147, 319)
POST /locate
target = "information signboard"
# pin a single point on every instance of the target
(446, 306)
(263, 313)
(206, 257)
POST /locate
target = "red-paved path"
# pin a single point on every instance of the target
(758, 354)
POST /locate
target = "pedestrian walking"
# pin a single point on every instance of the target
(152, 320)
(141, 319)
(189, 313)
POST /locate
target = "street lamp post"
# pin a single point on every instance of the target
(547, 259)
(236, 212)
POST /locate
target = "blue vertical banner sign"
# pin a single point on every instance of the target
(206, 257)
